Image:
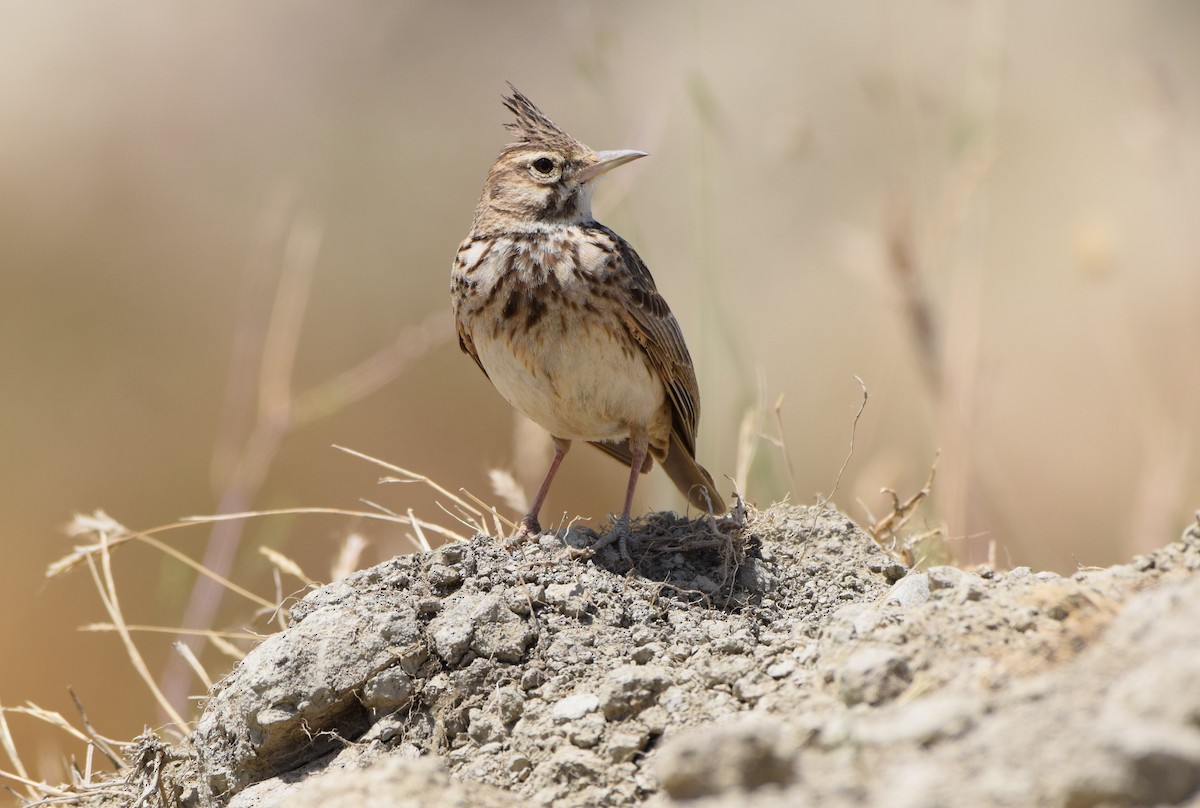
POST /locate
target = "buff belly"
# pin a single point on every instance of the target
(577, 386)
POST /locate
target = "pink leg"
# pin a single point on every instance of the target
(635, 468)
(638, 445)
(530, 525)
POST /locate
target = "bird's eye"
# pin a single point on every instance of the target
(543, 165)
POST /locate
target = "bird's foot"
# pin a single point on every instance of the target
(619, 533)
(528, 529)
(529, 526)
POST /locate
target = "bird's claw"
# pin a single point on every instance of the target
(620, 534)
(529, 527)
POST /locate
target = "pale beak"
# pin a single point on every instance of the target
(608, 160)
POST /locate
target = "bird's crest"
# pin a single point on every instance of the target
(532, 126)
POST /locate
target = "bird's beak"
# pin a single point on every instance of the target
(607, 161)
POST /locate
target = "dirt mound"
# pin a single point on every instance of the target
(788, 662)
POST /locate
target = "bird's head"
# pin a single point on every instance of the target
(545, 177)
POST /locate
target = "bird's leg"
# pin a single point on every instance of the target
(638, 453)
(639, 444)
(637, 449)
(530, 525)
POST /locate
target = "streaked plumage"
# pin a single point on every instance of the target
(564, 318)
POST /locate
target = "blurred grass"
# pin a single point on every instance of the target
(1029, 170)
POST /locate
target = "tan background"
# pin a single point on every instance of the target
(1035, 164)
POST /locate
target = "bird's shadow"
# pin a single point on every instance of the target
(693, 559)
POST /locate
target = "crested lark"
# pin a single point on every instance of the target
(563, 317)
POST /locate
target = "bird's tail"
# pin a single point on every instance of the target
(691, 478)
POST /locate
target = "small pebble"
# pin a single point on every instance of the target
(576, 706)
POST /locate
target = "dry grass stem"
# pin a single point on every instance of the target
(853, 432)
(87, 525)
(472, 516)
(262, 408)
(385, 516)
(97, 741)
(42, 793)
(491, 509)
(408, 476)
(34, 786)
(287, 316)
(787, 458)
(258, 412)
(349, 555)
(934, 547)
(474, 525)
(422, 542)
(285, 565)
(226, 647)
(50, 717)
(10, 749)
(86, 776)
(885, 529)
(382, 509)
(114, 534)
(110, 534)
(107, 589)
(184, 632)
(412, 477)
(749, 433)
(190, 658)
(206, 572)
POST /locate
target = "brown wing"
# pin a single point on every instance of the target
(468, 347)
(652, 324)
(459, 289)
(655, 328)
(621, 452)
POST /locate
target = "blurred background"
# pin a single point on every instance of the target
(226, 232)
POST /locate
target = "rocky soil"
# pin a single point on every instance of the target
(787, 662)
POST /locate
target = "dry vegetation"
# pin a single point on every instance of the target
(932, 284)
(106, 762)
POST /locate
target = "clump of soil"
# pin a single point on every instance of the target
(785, 662)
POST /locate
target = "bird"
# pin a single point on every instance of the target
(563, 317)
